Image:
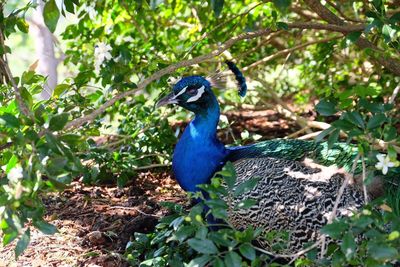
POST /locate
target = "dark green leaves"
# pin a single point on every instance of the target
(9, 120)
(245, 186)
(232, 259)
(203, 246)
(353, 36)
(334, 229)
(45, 227)
(22, 243)
(57, 122)
(348, 245)
(51, 14)
(229, 174)
(217, 6)
(382, 252)
(326, 108)
(282, 5)
(247, 251)
(376, 121)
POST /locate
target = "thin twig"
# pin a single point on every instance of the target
(332, 216)
(297, 133)
(203, 58)
(206, 34)
(391, 64)
(18, 97)
(151, 166)
(394, 94)
(294, 255)
(364, 178)
(135, 209)
(337, 8)
(288, 51)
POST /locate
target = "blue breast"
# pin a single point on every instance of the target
(198, 155)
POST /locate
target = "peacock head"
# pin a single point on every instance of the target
(192, 93)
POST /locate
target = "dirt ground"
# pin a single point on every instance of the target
(96, 222)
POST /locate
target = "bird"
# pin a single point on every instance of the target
(298, 179)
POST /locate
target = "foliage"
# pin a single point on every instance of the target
(192, 238)
(198, 239)
(114, 46)
(370, 238)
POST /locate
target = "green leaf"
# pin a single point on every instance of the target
(324, 133)
(355, 117)
(343, 125)
(394, 235)
(51, 14)
(199, 261)
(184, 232)
(69, 6)
(9, 237)
(12, 162)
(333, 138)
(45, 227)
(245, 204)
(204, 246)
(326, 108)
(334, 229)
(217, 262)
(232, 259)
(388, 32)
(58, 121)
(282, 25)
(61, 88)
(246, 186)
(22, 25)
(353, 36)
(27, 77)
(247, 251)
(22, 243)
(282, 5)
(217, 6)
(382, 252)
(376, 121)
(229, 174)
(348, 245)
(9, 120)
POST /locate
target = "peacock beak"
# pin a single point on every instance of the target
(168, 99)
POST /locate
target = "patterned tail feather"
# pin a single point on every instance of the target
(239, 78)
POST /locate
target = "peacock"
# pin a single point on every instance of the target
(296, 191)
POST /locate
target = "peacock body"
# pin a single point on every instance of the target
(296, 192)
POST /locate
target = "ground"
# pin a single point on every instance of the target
(96, 222)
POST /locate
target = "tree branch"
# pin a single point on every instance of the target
(392, 65)
(199, 59)
(287, 51)
(18, 97)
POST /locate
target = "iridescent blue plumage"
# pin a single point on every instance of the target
(239, 78)
(292, 195)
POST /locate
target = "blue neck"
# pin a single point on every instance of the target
(198, 153)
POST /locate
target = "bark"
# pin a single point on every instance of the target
(44, 44)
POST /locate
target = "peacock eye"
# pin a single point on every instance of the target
(192, 91)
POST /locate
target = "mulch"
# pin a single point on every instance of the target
(96, 222)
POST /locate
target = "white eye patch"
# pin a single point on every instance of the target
(180, 92)
(196, 97)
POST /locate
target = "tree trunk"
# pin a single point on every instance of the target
(47, 62)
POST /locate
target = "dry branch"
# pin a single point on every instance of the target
(287, 51)
(18, 97)
(203, 58)
(393, 65)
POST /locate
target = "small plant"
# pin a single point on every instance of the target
(203, 234)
